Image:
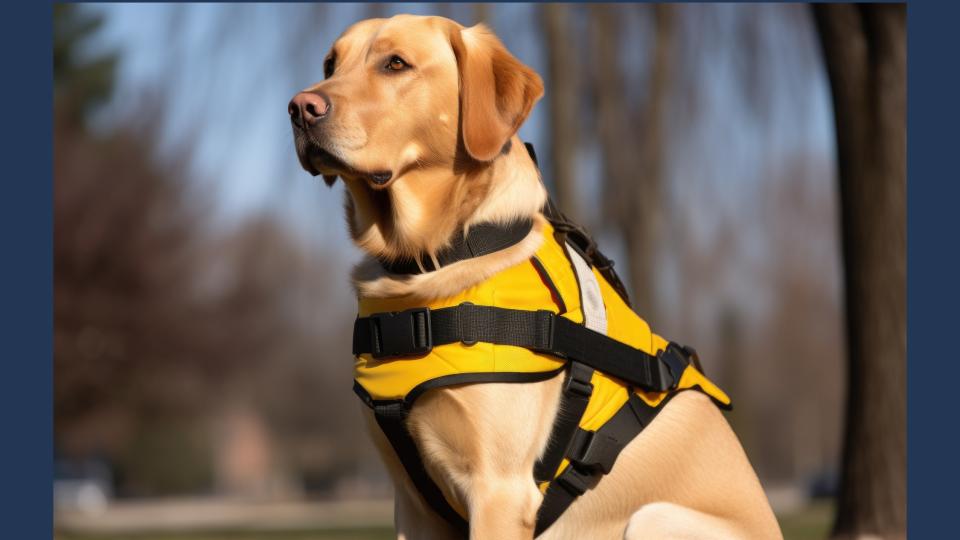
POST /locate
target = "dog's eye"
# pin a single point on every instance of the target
(396, 64)
(328, 66)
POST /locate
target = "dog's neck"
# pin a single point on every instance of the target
(422, 211)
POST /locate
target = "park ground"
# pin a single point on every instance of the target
(809, 523)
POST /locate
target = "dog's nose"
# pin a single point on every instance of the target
(308, 108)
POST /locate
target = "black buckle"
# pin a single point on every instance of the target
(594, 450)
(693, 356)
(578, 381)
(675, 360)
(403, 333)
(573, 481)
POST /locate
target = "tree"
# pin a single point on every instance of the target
(864, 48)
(563, 101)
(78, 85)
(633, 159)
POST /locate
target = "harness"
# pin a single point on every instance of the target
(563, 310)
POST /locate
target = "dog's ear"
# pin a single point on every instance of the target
(497, 91)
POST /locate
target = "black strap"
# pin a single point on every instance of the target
(416, 331)
(592, 455)
(392, 421)
(481, 239)
(574, 398)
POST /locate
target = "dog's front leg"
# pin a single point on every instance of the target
(413, 519)
(479, 443)
(504, 508)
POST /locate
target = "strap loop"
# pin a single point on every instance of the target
(468, 332)
(543, 331)
(578, 382)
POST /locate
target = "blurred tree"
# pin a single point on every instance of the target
(481, 13)
(864, 48)
(563, 99)
(125, 340)
(79, 84)
(633, 158)
(160, 324)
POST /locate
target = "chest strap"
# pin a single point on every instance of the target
(415, 332)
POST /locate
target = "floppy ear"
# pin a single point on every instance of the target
(497, 91)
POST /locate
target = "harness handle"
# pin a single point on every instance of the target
(566, 229)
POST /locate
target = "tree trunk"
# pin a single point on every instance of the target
(864, 48)
(633, 157)
(563, 101)
(650, 198)
(481, 13)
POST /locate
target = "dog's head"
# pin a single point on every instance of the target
(411, 93)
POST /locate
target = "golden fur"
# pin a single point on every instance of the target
(444, 128)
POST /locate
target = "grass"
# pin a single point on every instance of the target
(811, 523)
(316, 534)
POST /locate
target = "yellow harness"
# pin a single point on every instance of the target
(552, 313)
(545, 282)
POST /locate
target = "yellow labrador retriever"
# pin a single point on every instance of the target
(418, 116)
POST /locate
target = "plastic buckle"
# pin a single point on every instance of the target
(675, 361)
(693, 356)
(404, 333)
(594, 450)
(573, 481)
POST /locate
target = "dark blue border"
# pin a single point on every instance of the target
(26, 230)
(26, 225)
(933, 183)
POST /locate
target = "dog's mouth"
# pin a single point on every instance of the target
(318, 161)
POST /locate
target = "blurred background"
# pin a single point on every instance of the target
(202, 307)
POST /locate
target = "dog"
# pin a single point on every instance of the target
(419, 117)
